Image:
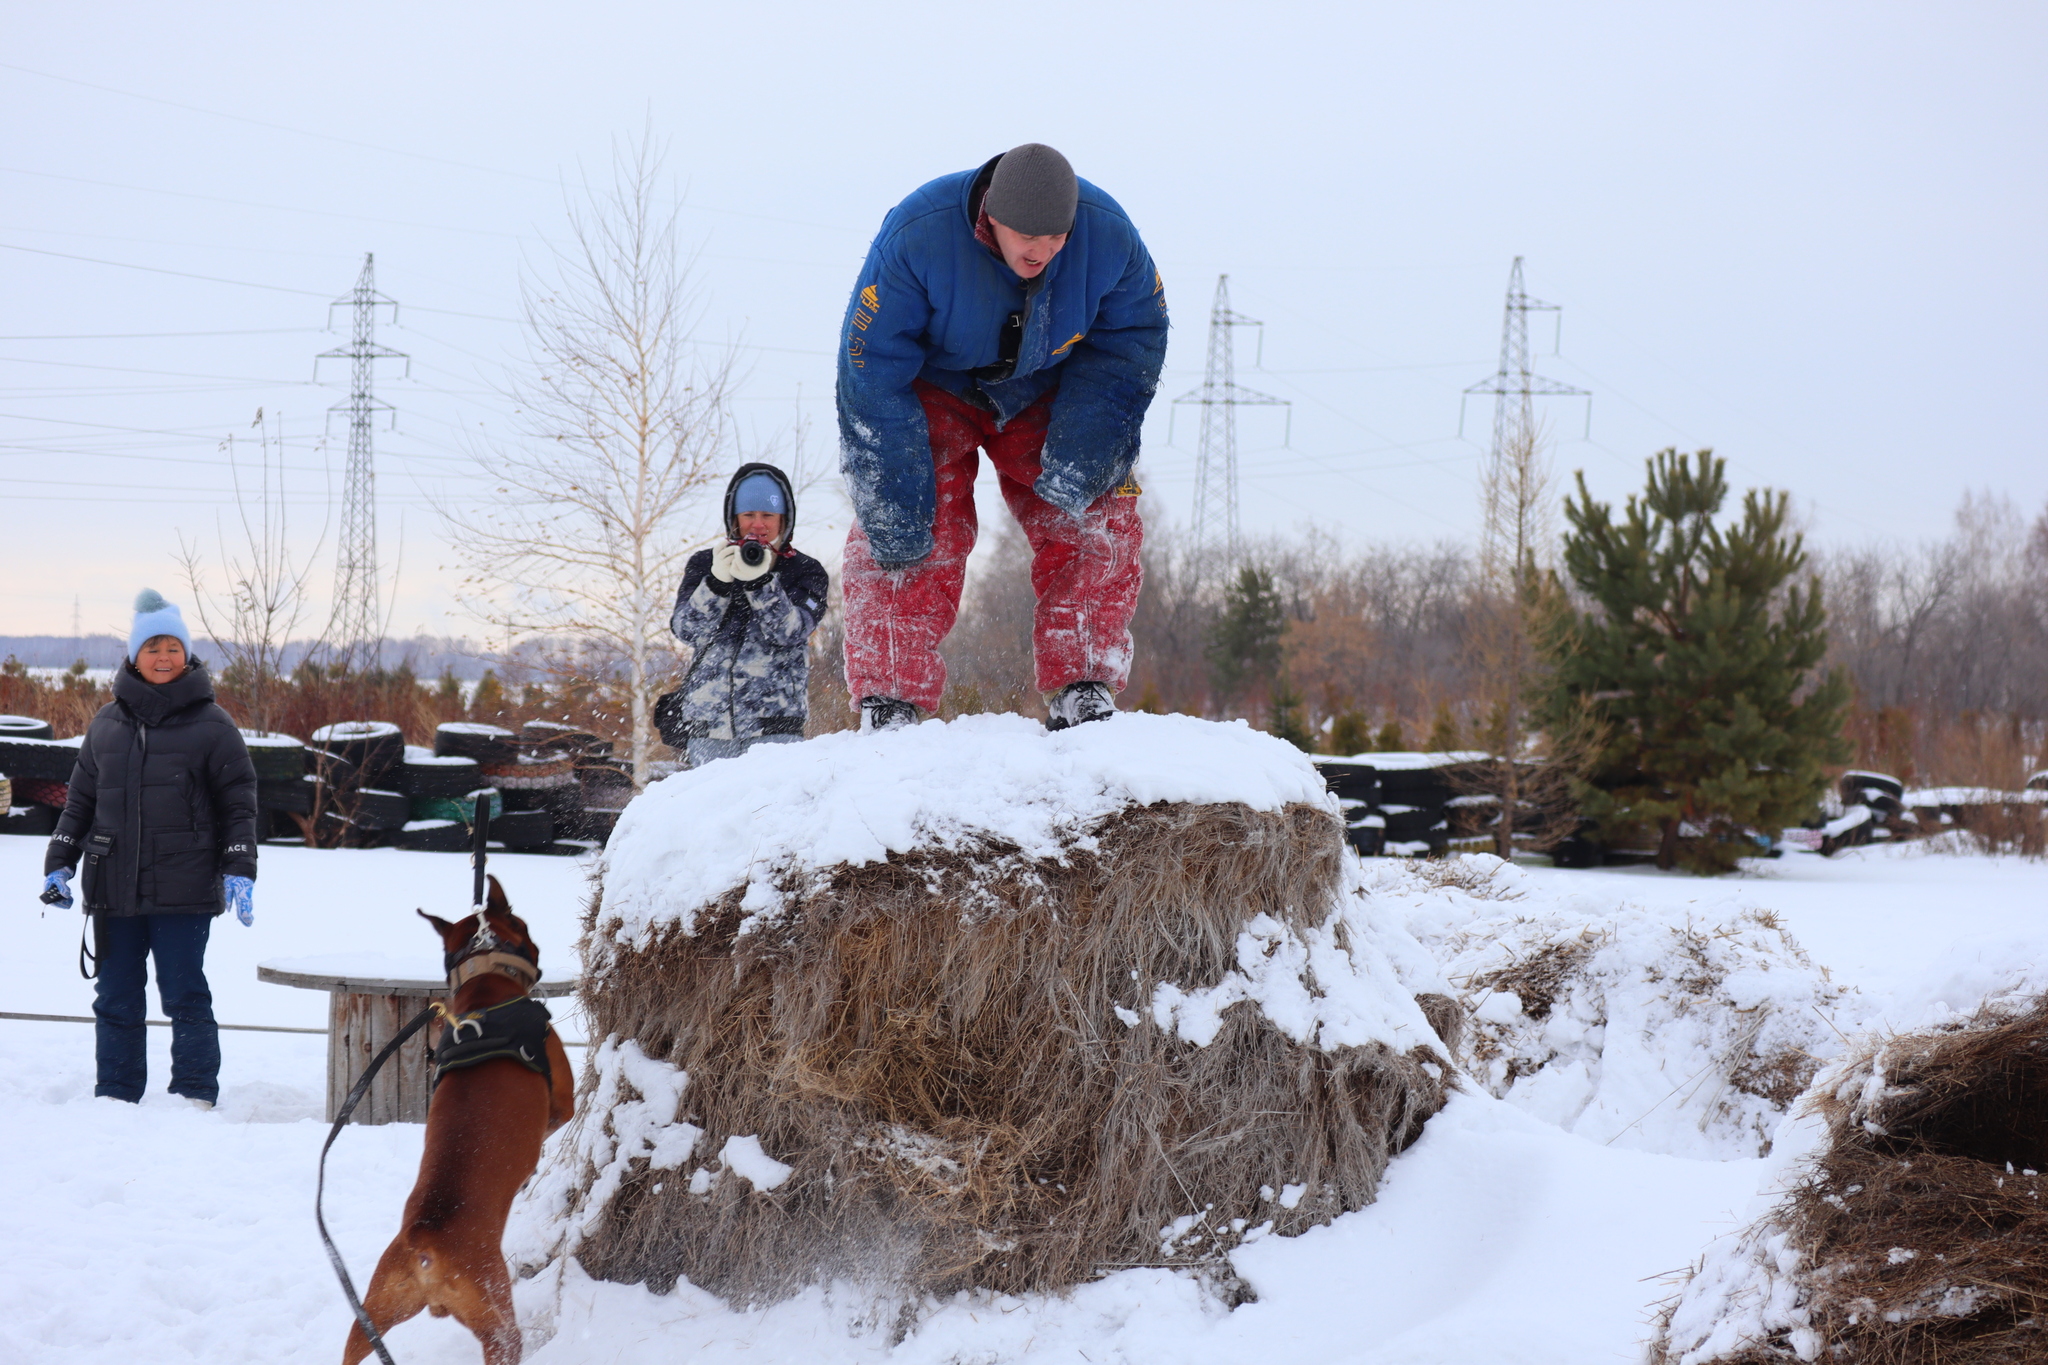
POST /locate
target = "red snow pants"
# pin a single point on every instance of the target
(1084, 572)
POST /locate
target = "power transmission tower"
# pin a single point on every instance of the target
(1515, 388)
(357, 626)
(1220, 396)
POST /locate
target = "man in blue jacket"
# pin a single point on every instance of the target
(1014, 310)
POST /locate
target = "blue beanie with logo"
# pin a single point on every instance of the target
(154, 617)
(760, 493)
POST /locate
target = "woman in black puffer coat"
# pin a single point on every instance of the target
(162, 817)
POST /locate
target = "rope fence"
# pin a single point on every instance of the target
(165, 1023)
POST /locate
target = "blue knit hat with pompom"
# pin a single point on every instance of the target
(154, 617)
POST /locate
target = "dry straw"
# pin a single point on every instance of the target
(942, 1046)
(1922, 1229)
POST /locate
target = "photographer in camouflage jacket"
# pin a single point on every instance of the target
(746, 608)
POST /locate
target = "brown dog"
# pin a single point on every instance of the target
(485, 1126)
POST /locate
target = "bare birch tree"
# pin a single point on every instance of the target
(266, 597)
(623, 424)
(1515, 497)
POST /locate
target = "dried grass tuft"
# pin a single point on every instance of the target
(1920, 1234)
(943, 1048)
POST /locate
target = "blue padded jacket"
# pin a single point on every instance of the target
(931, 303)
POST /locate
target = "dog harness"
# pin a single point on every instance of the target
(517, 1029)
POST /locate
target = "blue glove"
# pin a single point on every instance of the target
(240, 889)
(57, 889)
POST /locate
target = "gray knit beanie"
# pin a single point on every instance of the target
(1033, 191)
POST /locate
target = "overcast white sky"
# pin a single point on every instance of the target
(1810, 236)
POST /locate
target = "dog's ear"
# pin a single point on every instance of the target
(448, 932)
(498, 911)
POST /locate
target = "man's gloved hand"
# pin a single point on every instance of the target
(725, 562)
(57, 889)
(240, 890)
(747, 573)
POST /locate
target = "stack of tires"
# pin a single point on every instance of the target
(357, 767)
(1356, 785)
(491, 754)
(284, 791)
(35, 769)
(1415, 791)
(1872, 810)
(549, 773)
(1410, 804)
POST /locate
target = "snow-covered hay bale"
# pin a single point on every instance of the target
(975, 1005)
(1916, 1229)
(1628, 1026)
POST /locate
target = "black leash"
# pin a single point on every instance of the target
(348, 1107)
(362, 1087)
(92, 955)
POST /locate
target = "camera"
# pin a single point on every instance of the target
(752, 552)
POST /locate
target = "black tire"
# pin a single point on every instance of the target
(375, 747)
(1414, 787)
(1577, 851)
(1856, 779)
(562, 741)
(49, 759)
(38, 822)
(430, 775)
(436, 836)
(1369, 840)
(336, 771)
(25, 727)
(598, 824)
(1351, 781)
(520, 830)
(291, 795)
(1411, 823)
(487, 744)
(370, 808)
(277, 757)
(461, 807)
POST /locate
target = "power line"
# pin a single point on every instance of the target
(219, 279)
(251, 204)
(275, 127)
(159, 270)
(390, 151)
(144, 336)
(129, 369)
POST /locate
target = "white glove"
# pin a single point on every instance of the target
(725, 563)
(747, 573)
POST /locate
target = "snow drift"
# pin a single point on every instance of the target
(1636, 1027)
(973, 1005)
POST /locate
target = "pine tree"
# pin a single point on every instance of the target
(489, 701)
(1350, 734)
(1284, 718)
(1692, 682)
(1444, 735)
(1244, 646)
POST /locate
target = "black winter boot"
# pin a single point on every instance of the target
(886, 713)
(1079, 702)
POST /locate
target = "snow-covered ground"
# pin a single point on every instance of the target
(163, 1234)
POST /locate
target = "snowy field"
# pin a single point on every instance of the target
(162, 1234)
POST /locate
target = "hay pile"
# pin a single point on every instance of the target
(1636, 1027)
(983, 1060)
(1917, 1229)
